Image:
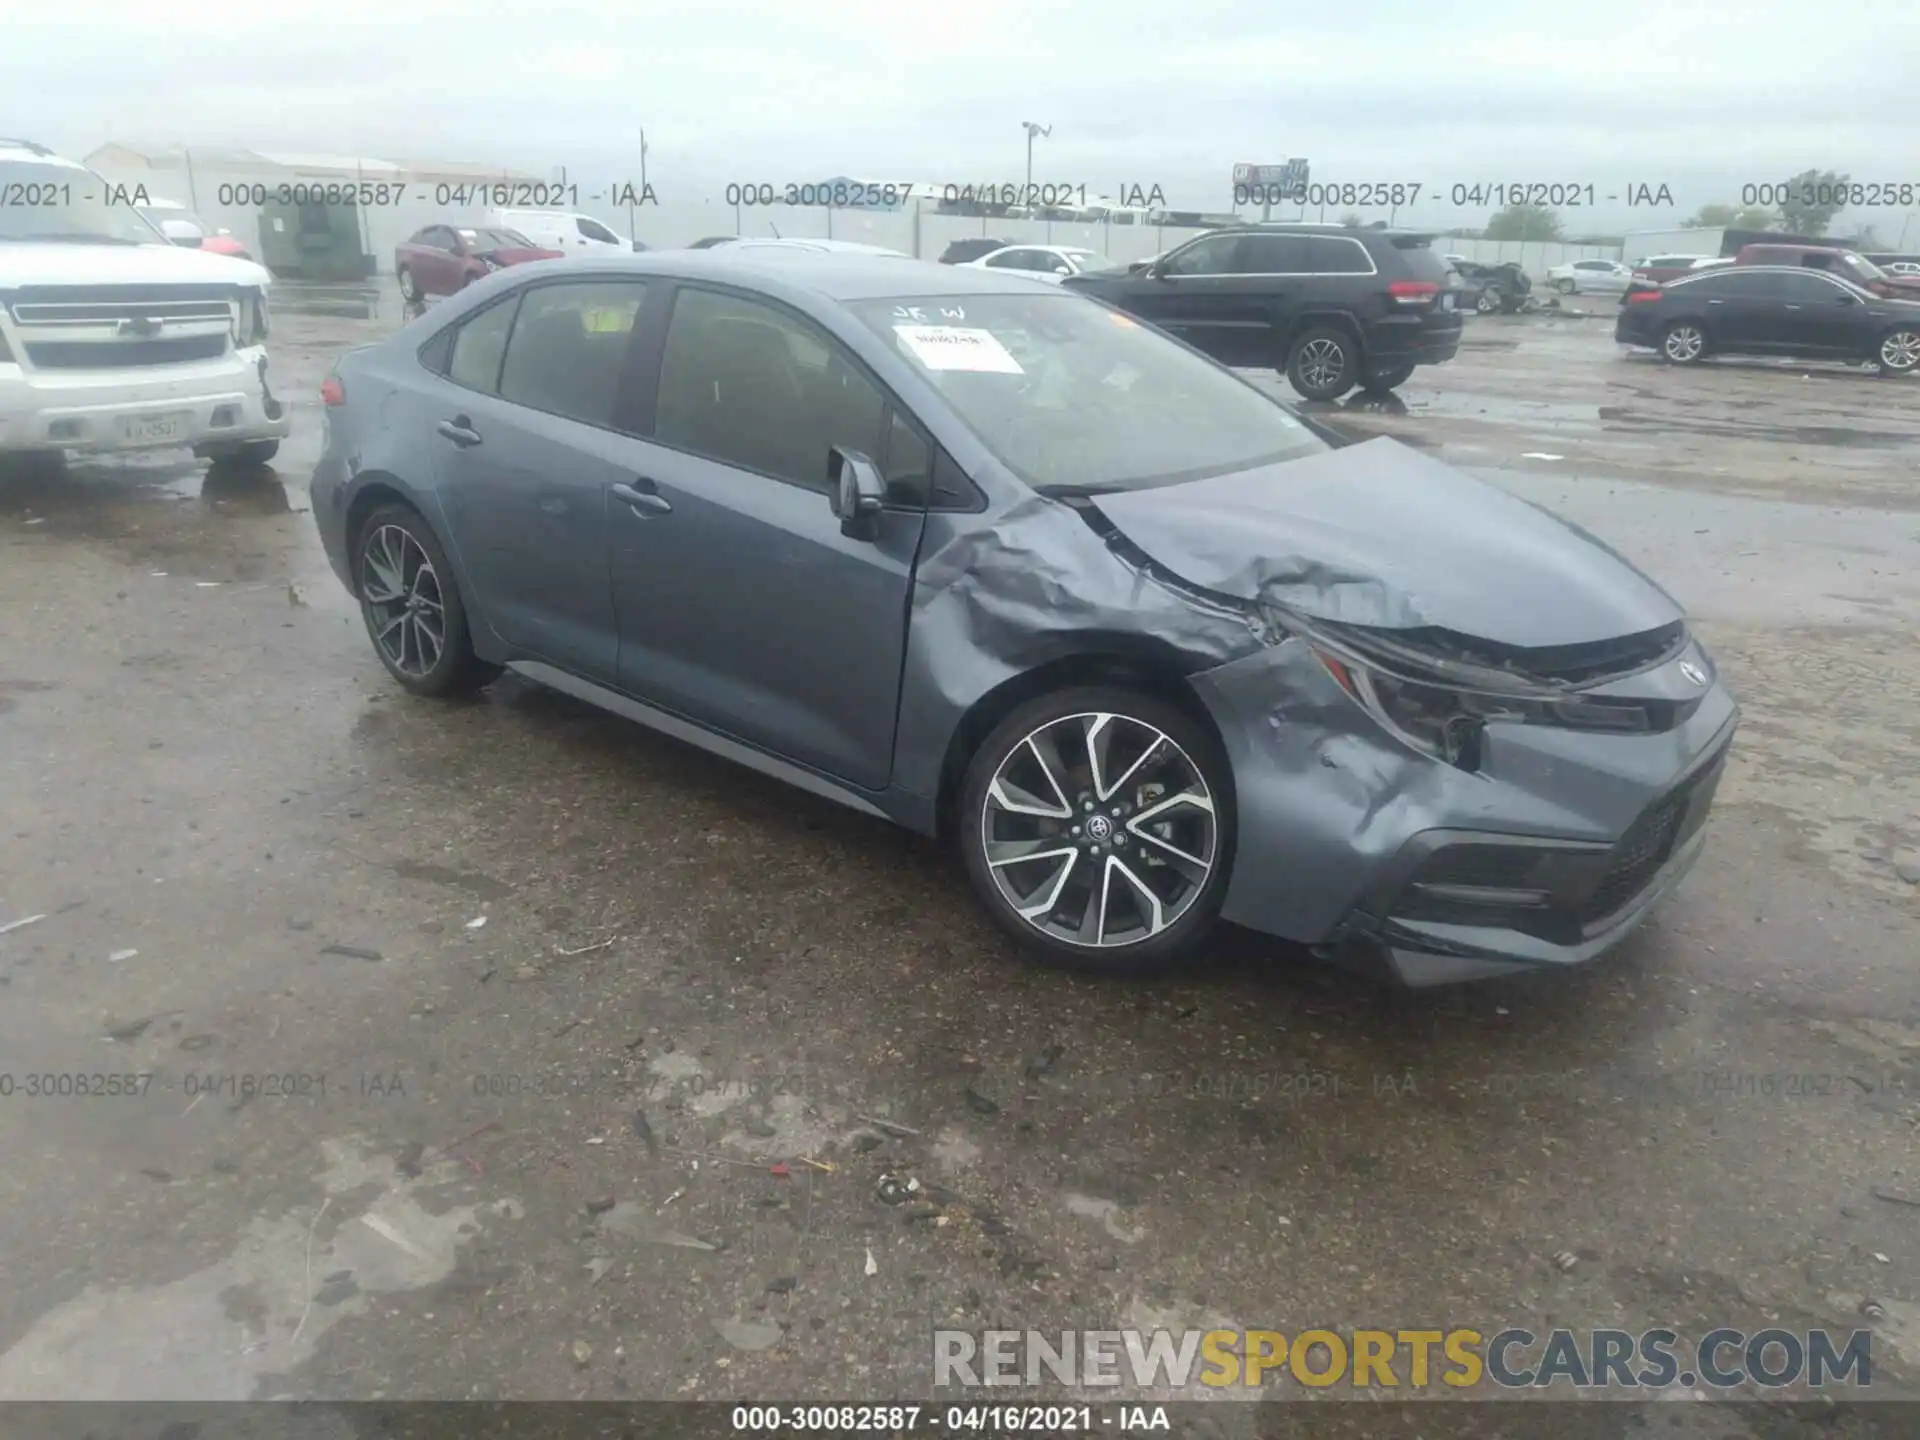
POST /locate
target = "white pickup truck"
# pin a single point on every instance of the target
(113, 339)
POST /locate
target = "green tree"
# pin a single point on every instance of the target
(1732, 217)
(1524, 222)
(1815, 197)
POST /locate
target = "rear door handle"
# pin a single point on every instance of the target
(642, 498)
(460, 431)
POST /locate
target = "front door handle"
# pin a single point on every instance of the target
(460, 431)
(642, 502)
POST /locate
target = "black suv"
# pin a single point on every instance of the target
(1331, 307)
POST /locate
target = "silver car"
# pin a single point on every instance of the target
(1592, 277)
(1000, 563)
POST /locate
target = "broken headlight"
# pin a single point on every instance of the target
(1442, 723)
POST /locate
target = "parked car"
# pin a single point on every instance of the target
(1492, 289)
(1596, 277)
(563, 230)
(114, 339)
(1849, 264)
(1896, 264)
(1045, 262)
(992, 561)
(712, 240)
(187, 230)
(441, 259)
(1788, 310)
(1658, 269)
(961, 251)
(1330, 310)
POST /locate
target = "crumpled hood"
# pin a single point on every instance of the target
(1378, 534)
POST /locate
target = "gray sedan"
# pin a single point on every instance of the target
(1008, 566)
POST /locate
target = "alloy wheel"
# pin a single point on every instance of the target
(405, 607)
(1901, 350)
(1322, 362)
(1683, 342)
(1099, 830)
(1487, 302)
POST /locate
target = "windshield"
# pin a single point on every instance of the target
(61, 203)
(1068, 394)
(1858, 267)
(496, 240)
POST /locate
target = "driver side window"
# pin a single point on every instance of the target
(1210, 255)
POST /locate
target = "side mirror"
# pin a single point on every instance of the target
(857, 492)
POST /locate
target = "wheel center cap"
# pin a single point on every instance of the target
(1099, 827)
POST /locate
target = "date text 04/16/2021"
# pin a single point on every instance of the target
(960, 1419)
(1569, 193)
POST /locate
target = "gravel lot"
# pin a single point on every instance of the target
(208, 786)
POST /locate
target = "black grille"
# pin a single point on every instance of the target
(1651, 839)
(112, 355)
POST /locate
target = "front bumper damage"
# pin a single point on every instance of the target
(1548, 854)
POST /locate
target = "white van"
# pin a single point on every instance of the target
(113, 339)
(560, 230)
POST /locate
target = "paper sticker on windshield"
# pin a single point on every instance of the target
(955, 347)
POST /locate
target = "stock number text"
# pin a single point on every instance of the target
(1839, 192)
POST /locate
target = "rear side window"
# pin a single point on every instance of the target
(1272, 255)
(569, 348)
(480, 346)
(1328, 255)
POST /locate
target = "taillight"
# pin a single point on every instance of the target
(332, 392)
(1634, 297)
(1413, 292)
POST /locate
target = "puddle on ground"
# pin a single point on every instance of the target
(220, 1332)
(337, 302)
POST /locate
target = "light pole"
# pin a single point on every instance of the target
(1032, 130)
(632, 235)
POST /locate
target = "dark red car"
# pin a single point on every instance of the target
(444, 258)
(1847, 264)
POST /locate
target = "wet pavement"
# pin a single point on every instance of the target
(475, 1032)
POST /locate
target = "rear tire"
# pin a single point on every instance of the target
(1899, 352)
(1486, 302)
(412, 606)
(1381, 381)
(1683, 343)
(247, 452)
(1566, 287)
(1323, 363)
(1160, 793)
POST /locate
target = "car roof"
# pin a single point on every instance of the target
(1315, 227)
(832, 275)
(35, 154)
(808, 243)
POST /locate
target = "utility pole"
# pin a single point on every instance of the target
(632, 236)
(1032, 130)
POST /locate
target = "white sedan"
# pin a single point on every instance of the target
(1052, 263)
(1606, 277)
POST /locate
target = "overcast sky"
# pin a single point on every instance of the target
(1703, 96)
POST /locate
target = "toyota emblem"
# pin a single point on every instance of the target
(1693, 672)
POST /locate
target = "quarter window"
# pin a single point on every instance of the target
(569, 348)
(480, 346)
(755, 387)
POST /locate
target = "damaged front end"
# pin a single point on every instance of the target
(1440, 808)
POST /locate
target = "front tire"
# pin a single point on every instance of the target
(1565, 287)
(1899, 352)
(409, 287)
(1683, 343)
(1323, 364)
(412, 606)
(1097, 828)
(1486, 302)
